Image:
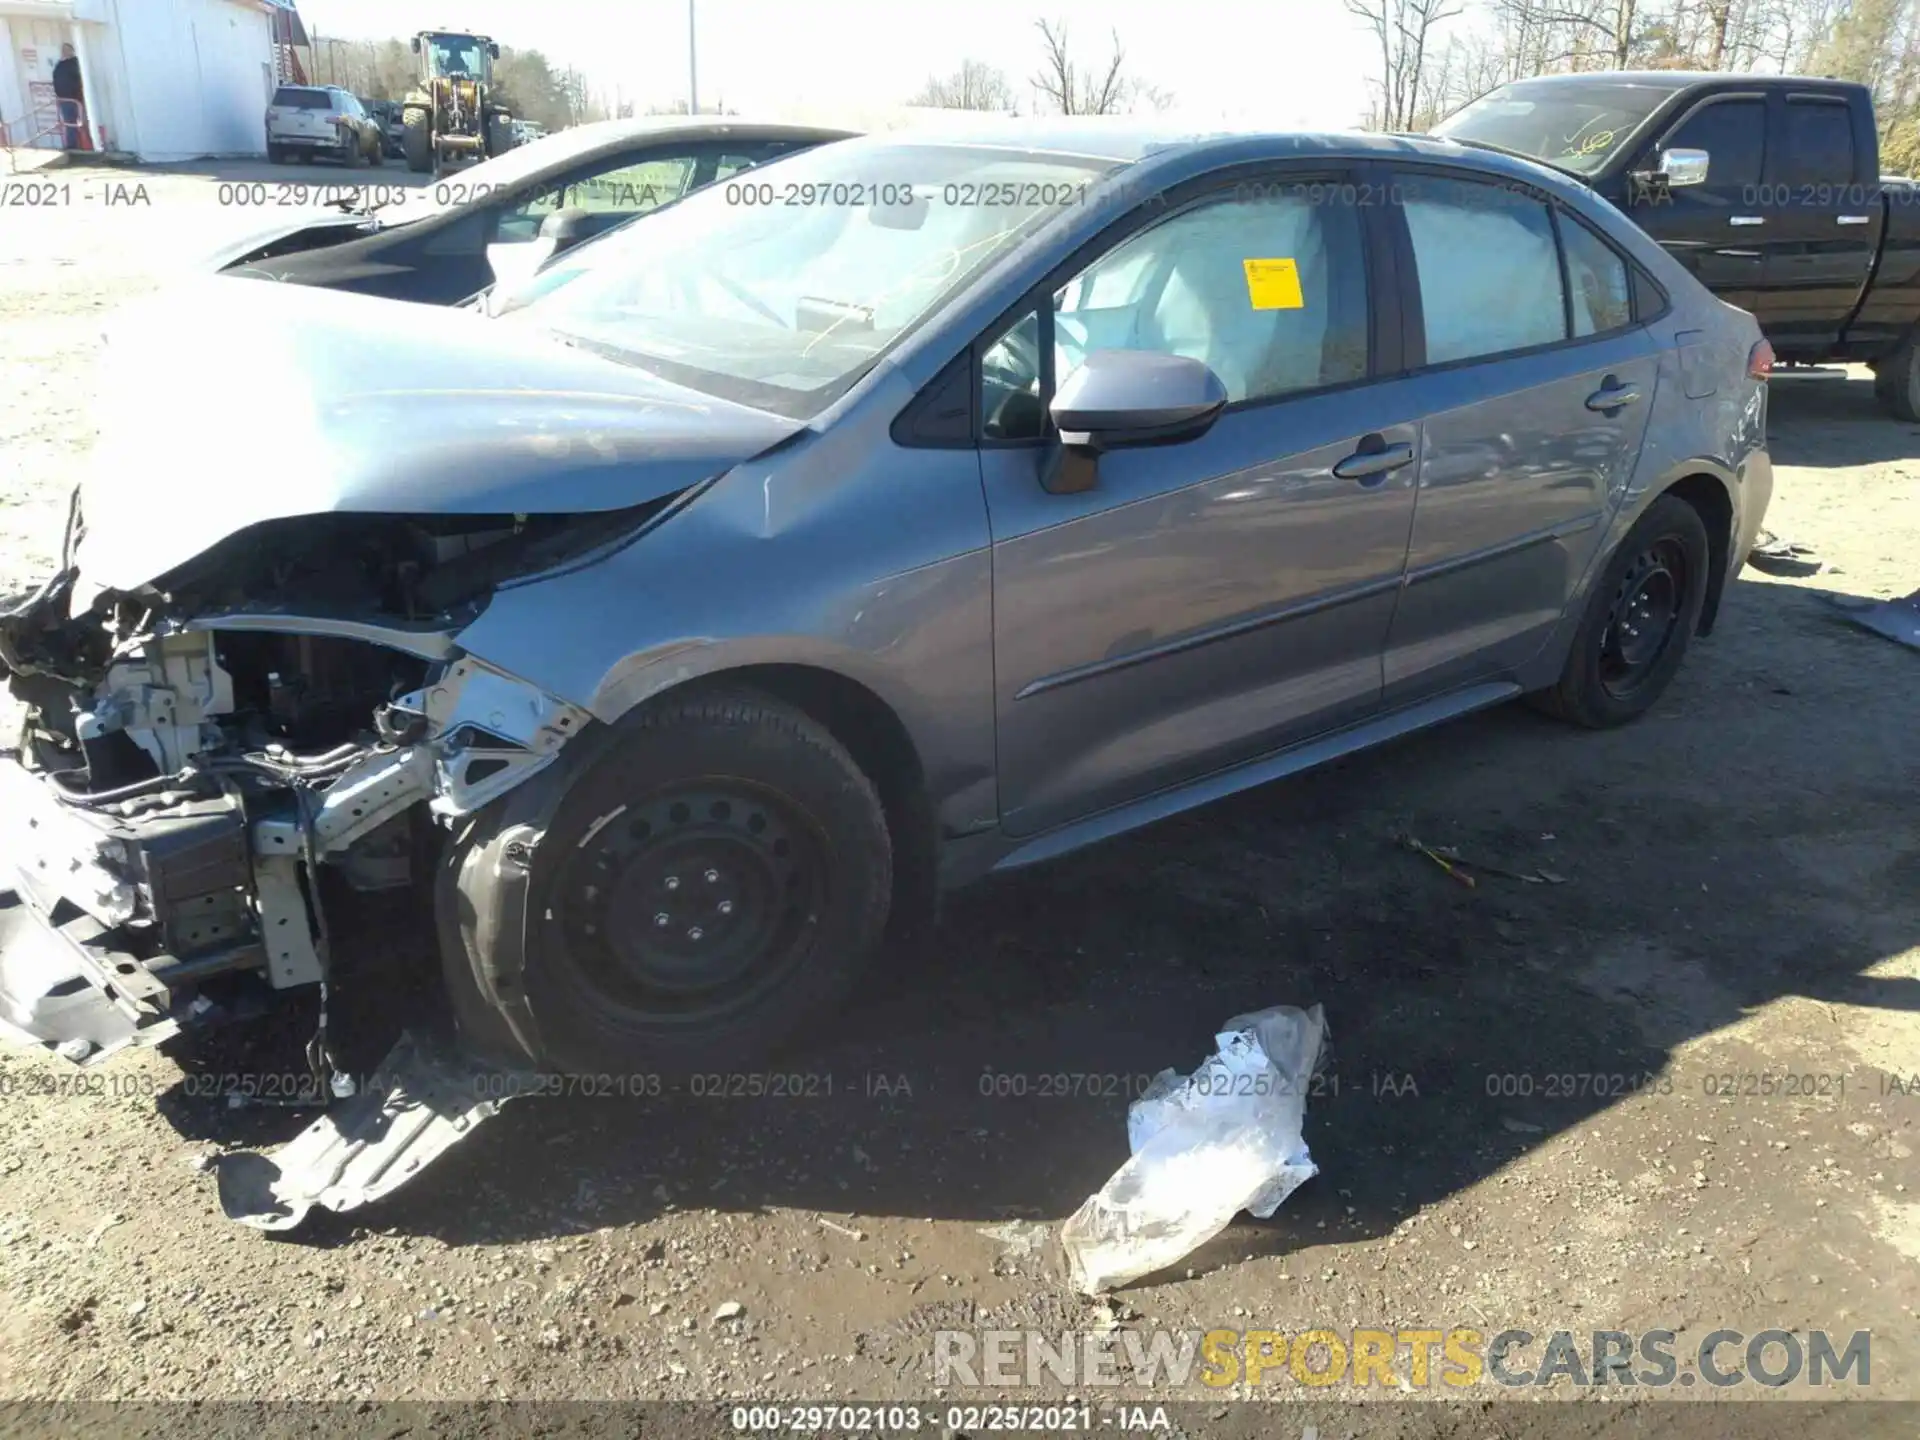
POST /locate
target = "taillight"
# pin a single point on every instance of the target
(1760, 361)
(272, 114)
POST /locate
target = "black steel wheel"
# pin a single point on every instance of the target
(693, 901)
(1641, 613)
(1644, 617)
(710, 878)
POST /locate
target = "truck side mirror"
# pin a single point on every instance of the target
(493, 49)
(1684, 167)
(416, 44)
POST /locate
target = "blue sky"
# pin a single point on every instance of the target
(1279, 62)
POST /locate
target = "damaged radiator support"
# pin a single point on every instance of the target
(365, 797)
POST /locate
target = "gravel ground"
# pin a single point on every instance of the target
(1741, 897)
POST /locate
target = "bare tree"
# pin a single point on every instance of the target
(1403, 29)
(1073, 89)
(974, 86)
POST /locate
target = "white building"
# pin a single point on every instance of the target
(163, 79)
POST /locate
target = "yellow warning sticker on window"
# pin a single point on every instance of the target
(1274, 285)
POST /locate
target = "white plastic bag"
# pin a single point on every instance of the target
(1205, 1147)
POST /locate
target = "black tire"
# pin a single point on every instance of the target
(711, 884)
(275, 155)
(1657, 580)
(1896, 380)
(417, 142)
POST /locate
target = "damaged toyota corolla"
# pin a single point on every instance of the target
(930, 507)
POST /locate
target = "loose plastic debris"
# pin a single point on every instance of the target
(1782, 557)
(1898, 620)
(1205, 1147)
(422, 1100)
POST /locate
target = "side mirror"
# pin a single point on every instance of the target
(515, 261)
(1124, 398)
(1684, 167)
(565, 228)
(416, 44)
(493, 49)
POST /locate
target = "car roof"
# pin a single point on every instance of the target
(697, 127)
(1125, 139)
(1675, 79)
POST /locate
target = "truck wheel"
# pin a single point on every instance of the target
(1896, 380)
(710, 885)
(1640, 616)
(417, 141)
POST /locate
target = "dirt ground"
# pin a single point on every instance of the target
(1549, 1106)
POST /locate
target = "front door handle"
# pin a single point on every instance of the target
(1373, 460)
(1611, 396)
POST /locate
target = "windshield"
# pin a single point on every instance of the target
(782, 288)
(1571, 125)
(456, 56)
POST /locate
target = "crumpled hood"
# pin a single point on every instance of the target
(225, 404)
(329, 226)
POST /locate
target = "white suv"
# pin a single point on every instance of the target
(307, 120)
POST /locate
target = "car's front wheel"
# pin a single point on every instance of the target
(709, 886)
(1640, 616)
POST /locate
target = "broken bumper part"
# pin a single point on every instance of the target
(423, 1100)
(61, 988)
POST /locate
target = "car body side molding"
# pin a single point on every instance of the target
(1259, 771)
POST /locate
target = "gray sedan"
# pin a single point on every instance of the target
(921, 507)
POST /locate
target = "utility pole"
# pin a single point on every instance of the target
(693, 68)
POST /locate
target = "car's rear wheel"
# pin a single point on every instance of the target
(275, 155)
(1640, 616)
(708, 887)
(1896, 380)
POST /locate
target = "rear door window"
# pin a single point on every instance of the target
(1734, 135)
(1817, 148)
(1488, 265)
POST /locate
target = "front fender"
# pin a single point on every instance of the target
(841, 552)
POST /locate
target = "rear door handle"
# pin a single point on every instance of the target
(1373, 461)
(1611, 396)
(1746, 220)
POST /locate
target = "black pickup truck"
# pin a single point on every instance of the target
(1767, 187)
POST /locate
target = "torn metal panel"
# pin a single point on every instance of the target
(422, 1100)
(491, 732)
(48, 998)
(63, 988)
(1898, 620)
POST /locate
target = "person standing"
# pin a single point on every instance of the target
(72, 102)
